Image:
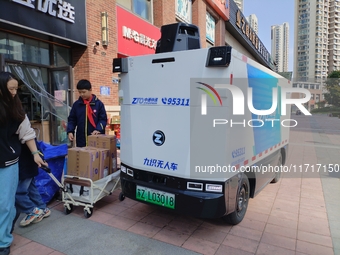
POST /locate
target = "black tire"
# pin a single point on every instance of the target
(67, 211)
(278, 174)
(87, 214)
(242, 199)
(121, 196)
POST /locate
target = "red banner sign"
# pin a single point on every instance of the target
(135, 35)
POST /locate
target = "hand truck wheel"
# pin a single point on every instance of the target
(68, 208)
(88, 212)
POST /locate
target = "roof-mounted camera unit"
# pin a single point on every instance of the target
(177, 37)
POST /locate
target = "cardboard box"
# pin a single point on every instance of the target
(73, 161)
(83, 162)
(89, 164)
(104, 161)
(104, 156)
(106, 142)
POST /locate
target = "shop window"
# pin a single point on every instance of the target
(61, 56)
(36, 52)
(184, 10)
(23, 49)
(210, 28)
(3, 44)
(142, 8)
(15, 48)
(33, 51)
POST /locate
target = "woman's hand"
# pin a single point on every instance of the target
(39, 160)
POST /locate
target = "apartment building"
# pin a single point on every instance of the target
(334, 36)
(317, 41)
(280, 46)
(253, 22)
(314, 28)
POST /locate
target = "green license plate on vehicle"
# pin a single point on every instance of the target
(156, 197)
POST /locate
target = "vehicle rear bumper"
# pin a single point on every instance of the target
(200, 204)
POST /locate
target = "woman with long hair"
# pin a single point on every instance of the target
(15, 129)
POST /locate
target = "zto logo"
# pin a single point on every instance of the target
(204, 97)
(158, 138)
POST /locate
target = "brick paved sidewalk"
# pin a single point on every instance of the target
(296, 216)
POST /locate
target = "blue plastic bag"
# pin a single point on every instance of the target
(51, 151)
(55, 157)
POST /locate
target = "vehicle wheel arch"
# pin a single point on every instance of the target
(284, 156)
(252, 182)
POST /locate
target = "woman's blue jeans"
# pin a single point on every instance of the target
(8, 182)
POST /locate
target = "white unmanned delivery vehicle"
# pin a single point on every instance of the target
(202, 130)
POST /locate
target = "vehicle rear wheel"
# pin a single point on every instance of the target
(242, 199)
(121, 196)
(278, 173)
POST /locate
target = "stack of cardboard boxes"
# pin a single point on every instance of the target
(96, 161)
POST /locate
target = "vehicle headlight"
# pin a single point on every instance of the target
(214, 188)
(123, 169)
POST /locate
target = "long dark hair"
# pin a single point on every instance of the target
(10, 107)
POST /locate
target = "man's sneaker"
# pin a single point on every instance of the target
(35, 214)
(45, 213)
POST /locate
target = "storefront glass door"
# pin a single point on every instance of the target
(61, 90)
(45, 95)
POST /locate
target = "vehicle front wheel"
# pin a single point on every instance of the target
(242, 199)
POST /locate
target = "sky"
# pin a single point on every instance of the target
(272, 12)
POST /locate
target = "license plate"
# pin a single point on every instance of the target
(155, 197)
